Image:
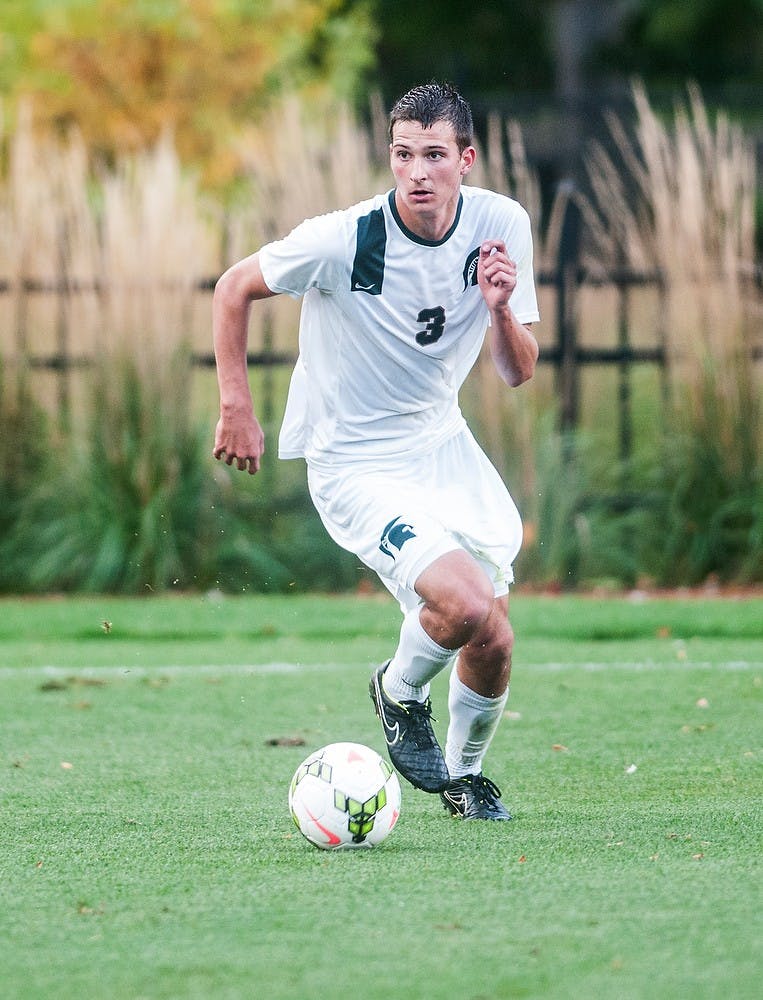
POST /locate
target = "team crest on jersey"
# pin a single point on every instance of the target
(395, 535)
(470, 268)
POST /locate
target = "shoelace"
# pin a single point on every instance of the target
(420, 714)
(484, 789)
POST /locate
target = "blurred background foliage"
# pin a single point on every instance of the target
(124, 71)
(146, 144)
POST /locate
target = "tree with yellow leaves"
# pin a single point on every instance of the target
(125, 71)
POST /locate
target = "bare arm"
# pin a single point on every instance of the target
(512, 345)
(238, 436)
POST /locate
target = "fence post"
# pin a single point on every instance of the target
(625, 422)
(566, 281)
(63, 293)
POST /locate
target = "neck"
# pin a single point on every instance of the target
(430, 226)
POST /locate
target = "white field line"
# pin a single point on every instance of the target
(243, 670)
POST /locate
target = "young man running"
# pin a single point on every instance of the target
(398, 292)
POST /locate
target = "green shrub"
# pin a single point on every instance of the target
(132, 501)
(712, 483)
(120, 508)
(25, 456)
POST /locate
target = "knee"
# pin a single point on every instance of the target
(471, 609)
(495, 641)
(485, 662)
(458, 610)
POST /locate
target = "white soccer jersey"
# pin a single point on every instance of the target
(391, 323)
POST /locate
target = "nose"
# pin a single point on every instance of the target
(418, 168)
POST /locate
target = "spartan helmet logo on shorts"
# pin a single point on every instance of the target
(395, 535)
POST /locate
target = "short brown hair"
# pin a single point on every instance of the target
(435, 102)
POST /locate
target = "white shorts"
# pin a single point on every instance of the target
(399, 515)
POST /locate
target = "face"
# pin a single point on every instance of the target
(428, 169)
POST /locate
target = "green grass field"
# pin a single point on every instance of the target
(146, 748)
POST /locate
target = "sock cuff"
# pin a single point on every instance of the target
(424, 640)
(466, 696)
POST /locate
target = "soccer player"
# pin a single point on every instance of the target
(397, 295)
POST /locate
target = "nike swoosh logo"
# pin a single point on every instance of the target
(458, 801)
(331, 837)
(391, 732)
(357, 287)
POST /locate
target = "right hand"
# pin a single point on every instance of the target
(240, 439)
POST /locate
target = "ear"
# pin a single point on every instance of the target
(468, 158)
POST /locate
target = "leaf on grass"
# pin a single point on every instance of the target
(52, 686)
(698, 857)
(66, 765)
(512, 716)
(631, 769)
(560, 748)
(522, 858)
(74, 681)
(285, 741)
(702, 703)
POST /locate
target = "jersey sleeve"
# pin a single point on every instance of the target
(524, 302)
(312, 256)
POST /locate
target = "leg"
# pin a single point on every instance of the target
(478, 694)
(458, 611)
(479, 688)
(458, 600)
(458, 608)
(484, 663)
(461, 612)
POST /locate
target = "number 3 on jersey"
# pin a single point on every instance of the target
(435, 321)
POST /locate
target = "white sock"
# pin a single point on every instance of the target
(417, 660)
(473, 722)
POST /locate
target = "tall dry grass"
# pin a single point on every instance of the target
(126, 244)
(678, 196)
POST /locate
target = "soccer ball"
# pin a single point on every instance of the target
(343, 796)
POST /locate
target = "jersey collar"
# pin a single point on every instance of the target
(420, 239)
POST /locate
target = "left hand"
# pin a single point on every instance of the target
(496, 274)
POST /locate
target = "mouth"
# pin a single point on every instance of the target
(419, 194)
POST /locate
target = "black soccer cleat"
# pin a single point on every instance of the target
(474, 797)
(411, 742)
